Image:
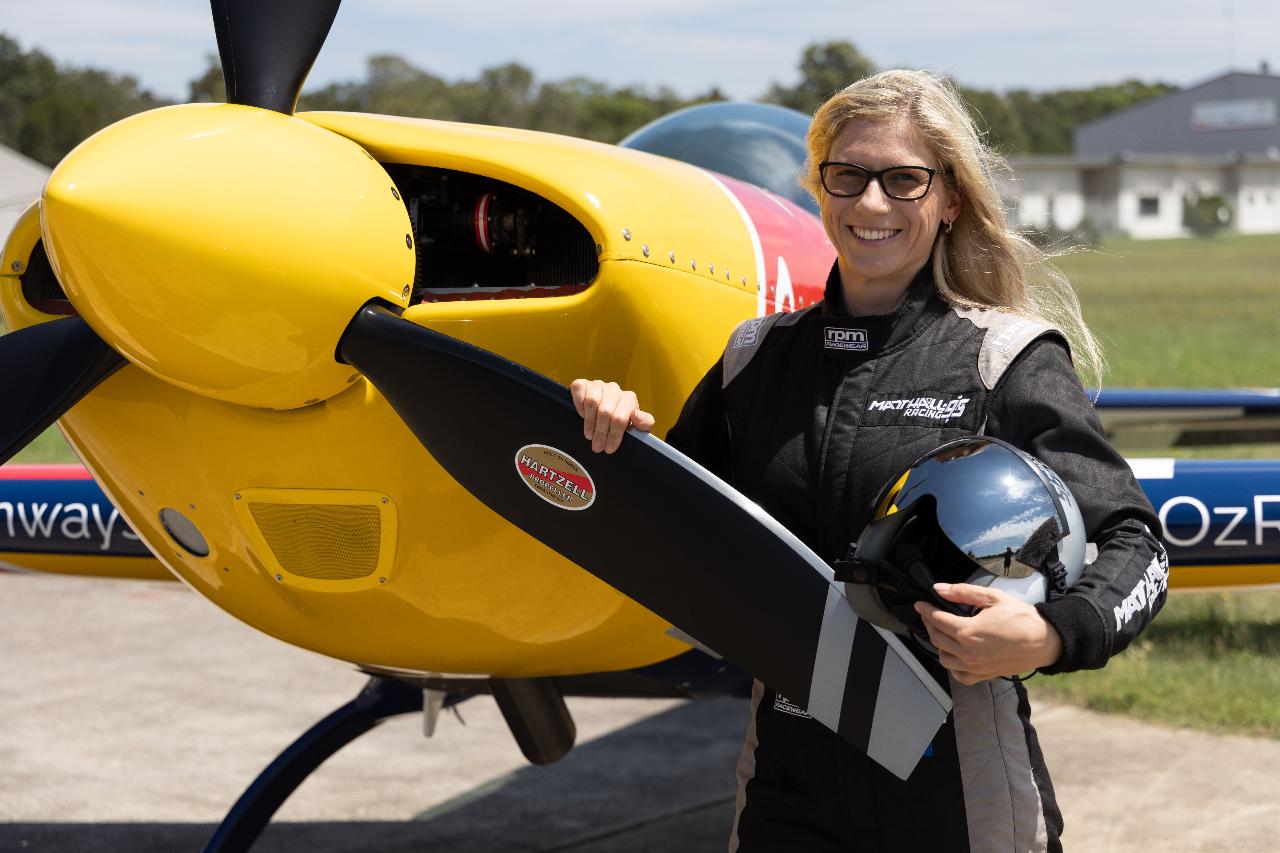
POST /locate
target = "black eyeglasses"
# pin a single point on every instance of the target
(905, 183)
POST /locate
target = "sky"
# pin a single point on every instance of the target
(740, 46)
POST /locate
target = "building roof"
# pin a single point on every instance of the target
(1231, 116)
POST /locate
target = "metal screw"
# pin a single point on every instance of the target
(191, 506)
(726, 275)
(386, 500)
(644, 250)
(395, 193)
(237, 496)
(626, 233)
(672, 256)
(16, 266)
(382, 580)
(408, 240)
(744, 279)
(141, 493)
(693, 263)
(280, 577)
(405, 291)
(711, 269)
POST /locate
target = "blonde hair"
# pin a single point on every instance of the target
(982, 262)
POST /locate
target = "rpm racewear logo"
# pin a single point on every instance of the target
(847, 340)
(555, 476)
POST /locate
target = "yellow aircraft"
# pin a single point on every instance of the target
(249, 323)
(185, 299)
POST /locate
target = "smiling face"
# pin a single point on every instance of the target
(883, 242)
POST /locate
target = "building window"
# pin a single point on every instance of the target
(1148, 205)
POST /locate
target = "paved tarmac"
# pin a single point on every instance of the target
(134, 714)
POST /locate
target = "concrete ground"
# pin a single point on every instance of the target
(134, 714)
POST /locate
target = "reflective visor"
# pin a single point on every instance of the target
(991, 502)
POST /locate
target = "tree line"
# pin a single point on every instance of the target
(46, 108)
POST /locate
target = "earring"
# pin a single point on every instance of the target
(949, 226)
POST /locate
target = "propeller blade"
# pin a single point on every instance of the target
(657, 527)
(267, 47)
(47, 369)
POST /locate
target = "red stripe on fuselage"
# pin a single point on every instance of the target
(791, 238)
(44, 472)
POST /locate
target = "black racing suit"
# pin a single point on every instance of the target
(811, 429)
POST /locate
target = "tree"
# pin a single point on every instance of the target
(997, 120)
(45, 111)
(23, 78)
(825, 68)
(392, 86)
(1049, 118)
(211, 86)
(502, 95)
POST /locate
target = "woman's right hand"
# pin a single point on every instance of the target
(607, 411)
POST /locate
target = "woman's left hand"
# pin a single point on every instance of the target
(1006, 636)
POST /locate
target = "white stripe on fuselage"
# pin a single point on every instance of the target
(1151, 469)
(757, 248)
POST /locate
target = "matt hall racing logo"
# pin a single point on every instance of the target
(846, 340)
(933, 408)
(555, 476)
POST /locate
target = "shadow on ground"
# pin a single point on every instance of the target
(665, 783)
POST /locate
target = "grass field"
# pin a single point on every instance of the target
(1192, 313)
(1209, 660)
(1200, 313)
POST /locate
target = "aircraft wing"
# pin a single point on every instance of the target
(1221, 519)
(55, 518)
(1153, 418)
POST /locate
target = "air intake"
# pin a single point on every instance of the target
(318, 538)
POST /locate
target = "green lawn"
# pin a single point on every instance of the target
(1209, 660)
(1195, 313)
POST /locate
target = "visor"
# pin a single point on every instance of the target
(997, 505)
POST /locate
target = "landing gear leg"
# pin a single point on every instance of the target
(380, 699)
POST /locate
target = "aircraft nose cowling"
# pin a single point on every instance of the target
(226, 248)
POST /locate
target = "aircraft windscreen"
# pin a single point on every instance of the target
(759, 143)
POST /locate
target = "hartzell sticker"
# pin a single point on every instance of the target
(555, 476)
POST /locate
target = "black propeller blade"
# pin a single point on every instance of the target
(267, 47)
(44, 371)
(657, 527)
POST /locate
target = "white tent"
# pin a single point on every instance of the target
(21, 180)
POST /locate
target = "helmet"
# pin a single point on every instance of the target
(976, 510)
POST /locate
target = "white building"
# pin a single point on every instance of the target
(1133, 172)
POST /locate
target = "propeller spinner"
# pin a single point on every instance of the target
(181, 237)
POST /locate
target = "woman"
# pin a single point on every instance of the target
(929, 270)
